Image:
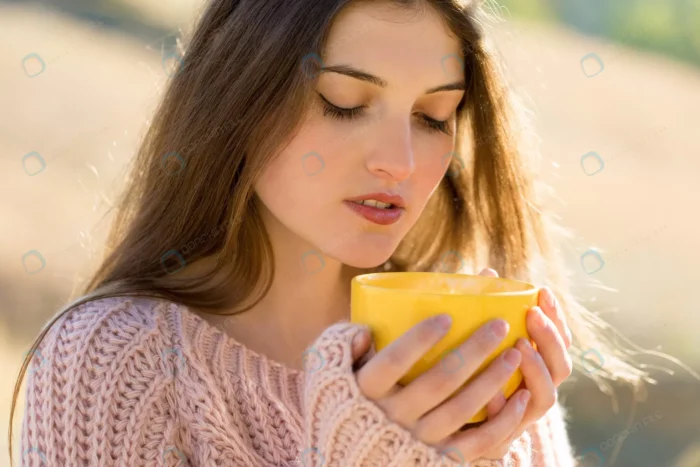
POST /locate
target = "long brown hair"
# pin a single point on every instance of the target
(237, 97)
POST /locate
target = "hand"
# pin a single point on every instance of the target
(423, 407)
(543, 369)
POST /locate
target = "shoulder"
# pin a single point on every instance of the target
(101, 385)
(127, 314)
(99, 331)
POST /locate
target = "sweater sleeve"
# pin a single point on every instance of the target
(100, 392)
(344, 428)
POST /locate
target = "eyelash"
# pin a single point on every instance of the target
(342, 114)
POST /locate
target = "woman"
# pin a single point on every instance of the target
(233, 249)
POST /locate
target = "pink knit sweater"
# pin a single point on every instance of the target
(140, 382)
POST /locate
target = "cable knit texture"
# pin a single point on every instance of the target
(140, 382)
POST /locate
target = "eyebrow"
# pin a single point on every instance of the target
(377, 81)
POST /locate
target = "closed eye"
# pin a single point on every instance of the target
(341, 113)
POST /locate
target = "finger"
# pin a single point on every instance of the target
(495, 405)
(538, 381)
(552, 308)
(448, 376)
(476, 441)
(362, 349)
(488, 272)
(381, 373)
(449, 417)
(550, 345)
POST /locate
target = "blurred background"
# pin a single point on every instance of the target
(615, 89)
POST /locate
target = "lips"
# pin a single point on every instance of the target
(387, 198)
(381, 216)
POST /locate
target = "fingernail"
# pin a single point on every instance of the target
(540, 318)
(512, 358)
(523, 400)
(499, 397)
(358, 337)
(524, 345)
(444, 322)
(499, 329)
(548, 297)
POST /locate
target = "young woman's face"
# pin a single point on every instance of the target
(394, 144)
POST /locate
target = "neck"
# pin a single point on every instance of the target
(306, 296)
(293, 314)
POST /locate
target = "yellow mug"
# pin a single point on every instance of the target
(390, 303)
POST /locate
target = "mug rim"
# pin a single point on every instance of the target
(364, 280)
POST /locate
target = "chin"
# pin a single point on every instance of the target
(366, 261)
(364, 252)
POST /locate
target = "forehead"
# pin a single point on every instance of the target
(372, 34)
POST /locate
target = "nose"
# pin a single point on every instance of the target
(393, 160)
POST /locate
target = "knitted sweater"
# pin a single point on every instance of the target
(140, 382)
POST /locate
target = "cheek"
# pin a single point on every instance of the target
(281, 186)
(296, 196)
(433, 168)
